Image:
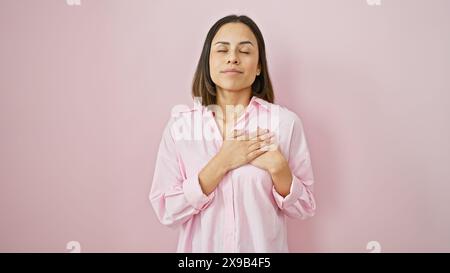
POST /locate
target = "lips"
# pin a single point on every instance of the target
(231, 70)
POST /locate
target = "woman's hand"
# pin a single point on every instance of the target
(271, 161)
(240, 149)
(277, 166)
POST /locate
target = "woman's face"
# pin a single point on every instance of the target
(234, 47)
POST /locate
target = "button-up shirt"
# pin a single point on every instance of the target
(244, 213)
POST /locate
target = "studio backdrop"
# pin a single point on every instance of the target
(87, 86)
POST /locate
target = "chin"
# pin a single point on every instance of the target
(232, 87)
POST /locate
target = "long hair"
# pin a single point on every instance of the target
(204, 87)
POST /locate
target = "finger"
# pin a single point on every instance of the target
(263, 139)
(250, 143)
(254, 154)
(257, 145)
(271, 147)
(268, 144)
(261, 135)
(256, 132)
(268, 138)
(271, 140)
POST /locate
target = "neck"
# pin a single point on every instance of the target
(234, 98)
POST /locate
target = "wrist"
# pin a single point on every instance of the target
(221, 165)
(276, 169)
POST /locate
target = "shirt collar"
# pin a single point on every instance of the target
(260, 102)
(254, 101)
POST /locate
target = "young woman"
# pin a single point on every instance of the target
(229, 178)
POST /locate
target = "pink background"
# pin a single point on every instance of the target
(86, 90)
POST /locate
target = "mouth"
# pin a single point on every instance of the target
(231, 72)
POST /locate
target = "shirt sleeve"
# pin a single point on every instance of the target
(174, 197)
(300, 202)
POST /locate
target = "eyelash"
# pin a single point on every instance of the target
(239, 51)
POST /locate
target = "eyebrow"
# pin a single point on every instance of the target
(227, 43)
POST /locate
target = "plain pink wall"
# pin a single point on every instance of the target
(86, 90)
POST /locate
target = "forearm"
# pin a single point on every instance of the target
(282, 179)
(211, 175)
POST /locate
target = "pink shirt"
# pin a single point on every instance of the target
(244, 213)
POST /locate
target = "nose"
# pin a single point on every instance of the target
(233, 59)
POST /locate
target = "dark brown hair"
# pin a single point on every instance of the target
(204, 87)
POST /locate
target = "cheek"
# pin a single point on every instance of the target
(251, 63)
(255, 62)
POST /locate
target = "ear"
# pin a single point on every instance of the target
(258, 71)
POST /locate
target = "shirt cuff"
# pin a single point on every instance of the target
(194, 194)
(296, 191)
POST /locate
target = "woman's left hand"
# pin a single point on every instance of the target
(276, 164)
(271, 161)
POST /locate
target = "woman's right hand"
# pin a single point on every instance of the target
(240, 148)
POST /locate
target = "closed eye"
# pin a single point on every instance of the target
(240, 51)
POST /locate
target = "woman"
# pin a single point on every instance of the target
(228, 180)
